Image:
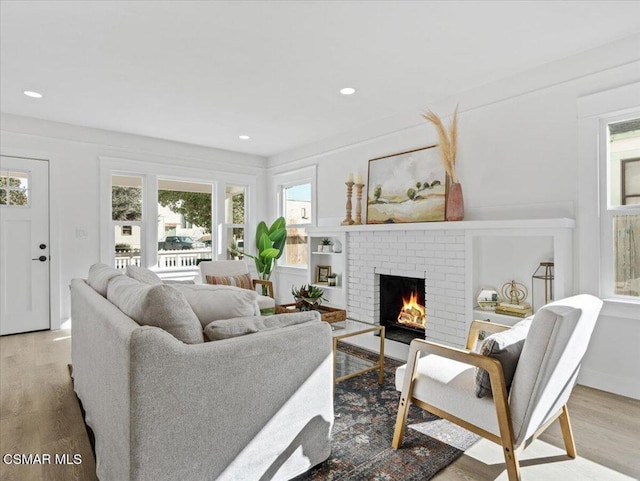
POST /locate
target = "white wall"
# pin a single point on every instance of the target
(518, 158)
(73, 154)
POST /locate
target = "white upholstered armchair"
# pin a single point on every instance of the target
(443, 381)
(236, 273)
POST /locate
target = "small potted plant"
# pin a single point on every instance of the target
(332, 280)
(326, 245)
(307, 297)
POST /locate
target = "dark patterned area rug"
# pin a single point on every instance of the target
(363, 430)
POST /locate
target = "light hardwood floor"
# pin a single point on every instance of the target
(39, 414)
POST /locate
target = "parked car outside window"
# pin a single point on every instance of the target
(174, 242)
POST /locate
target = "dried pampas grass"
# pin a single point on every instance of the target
(448, 141)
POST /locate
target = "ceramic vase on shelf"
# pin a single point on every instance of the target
(455, 202)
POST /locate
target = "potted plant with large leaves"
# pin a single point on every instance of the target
(269, 247)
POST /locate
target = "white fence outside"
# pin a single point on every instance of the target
(166, 259)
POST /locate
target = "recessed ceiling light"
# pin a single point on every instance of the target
(32, 94)
(348, 91)
(244, 137)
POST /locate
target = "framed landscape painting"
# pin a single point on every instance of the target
(407, 187)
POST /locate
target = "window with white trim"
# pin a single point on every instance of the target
(296, 210)
(168, 218)
(620, 211)
(235, 219)
(127, 219)
(184, 223)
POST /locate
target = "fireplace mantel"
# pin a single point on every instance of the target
(555, 223)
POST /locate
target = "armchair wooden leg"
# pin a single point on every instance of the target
(513, 466)
(401, 421)
(405, 395)
(567, 433)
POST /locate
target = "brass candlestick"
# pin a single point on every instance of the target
(359, 204)
(348, 220)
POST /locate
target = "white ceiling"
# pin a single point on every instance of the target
(205, 72)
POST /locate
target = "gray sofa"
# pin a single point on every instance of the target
(232, 409)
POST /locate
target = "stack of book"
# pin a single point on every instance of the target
(517, 310)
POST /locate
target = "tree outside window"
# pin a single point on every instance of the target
(126, 216)
(184, 223)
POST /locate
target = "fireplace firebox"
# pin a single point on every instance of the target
(402, 307)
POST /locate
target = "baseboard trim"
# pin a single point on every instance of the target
(605, 381)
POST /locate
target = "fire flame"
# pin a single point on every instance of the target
(412, 313)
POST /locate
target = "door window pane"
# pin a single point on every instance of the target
(184, 223)
(14, 188)
(126, 198)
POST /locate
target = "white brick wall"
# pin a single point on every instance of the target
(436, 255)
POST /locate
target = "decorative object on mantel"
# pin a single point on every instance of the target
(407, 187)
(516, 294)
(449, 147)
(348, 220)
(488, 299)
(359, 186)
(544, 272)
(307, 297)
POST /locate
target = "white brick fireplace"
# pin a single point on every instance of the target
(455, 259)
(438, 256)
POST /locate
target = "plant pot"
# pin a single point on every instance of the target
(455, 203)
(306, 304)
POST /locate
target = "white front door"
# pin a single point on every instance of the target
(24, 245)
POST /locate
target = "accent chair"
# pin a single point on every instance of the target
(236, 273)
(443, 381)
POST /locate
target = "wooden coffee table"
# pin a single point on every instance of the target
(327, 313)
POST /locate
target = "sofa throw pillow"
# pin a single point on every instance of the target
(228, 328)
(243, 281)
(160, 305)
(99, 277)
(505, 346)
(144, 275)
(213, 302)
(167, 308)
